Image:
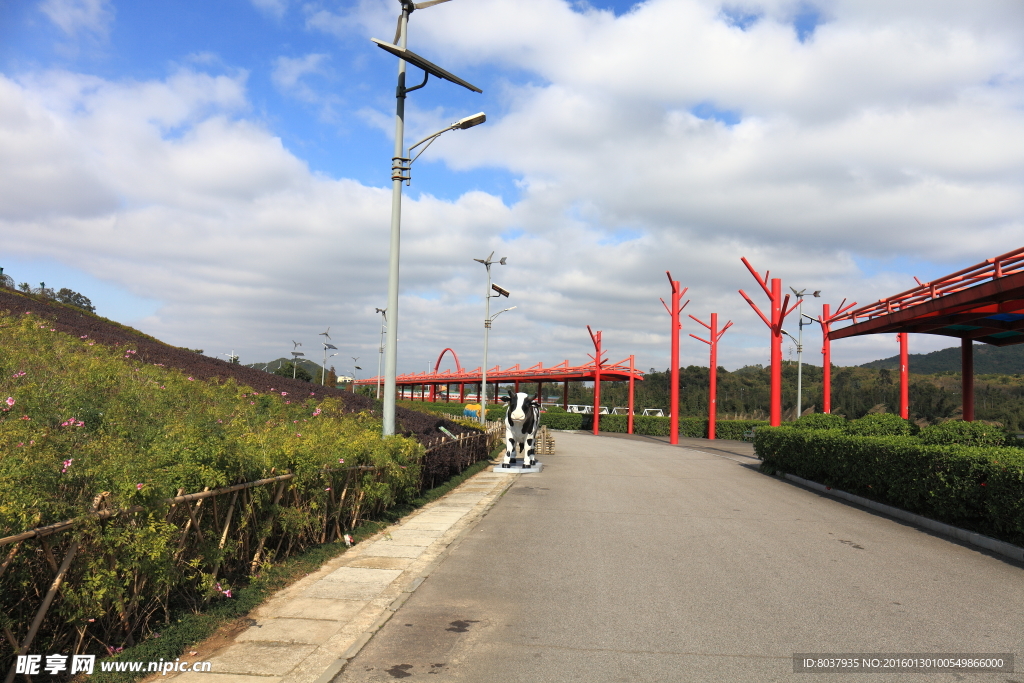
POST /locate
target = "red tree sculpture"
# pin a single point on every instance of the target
(714, 335)
(674, 311)
(598, 361)
(779, 312)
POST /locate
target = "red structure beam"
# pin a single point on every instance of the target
(673, 390)
(714, 335)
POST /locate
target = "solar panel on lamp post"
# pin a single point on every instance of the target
(400, 168)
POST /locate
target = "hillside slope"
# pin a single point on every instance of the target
(988, 360)
(77, 322)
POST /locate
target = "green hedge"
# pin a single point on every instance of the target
(963, 433)
(970, 487)
(695, 427)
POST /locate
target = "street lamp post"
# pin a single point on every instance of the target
(800, 345)
(323, 370)
(380, 351)
(487, 328)
(400, 168)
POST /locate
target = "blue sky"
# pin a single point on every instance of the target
(216, 174)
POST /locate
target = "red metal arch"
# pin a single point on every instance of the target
(458, 367)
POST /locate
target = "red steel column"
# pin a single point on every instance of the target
(780, 309)
(565, 396)
(713, 379)
(629, 419)
(673, 390)
(712, 341)
(596, 338)
(826, 361)
(967, 377)
(462, 392)
(775, 412)
(904, 376)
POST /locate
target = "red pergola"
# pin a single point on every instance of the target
(622, 371)
(982, 303)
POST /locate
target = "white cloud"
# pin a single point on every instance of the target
(894, 135)
(289, 71)
(274, 8)
(78, 18)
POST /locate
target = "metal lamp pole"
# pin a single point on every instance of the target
(400, 168)
(380, 352)
(487, 329)
(800, 346)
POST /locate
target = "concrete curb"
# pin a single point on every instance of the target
(987, 542)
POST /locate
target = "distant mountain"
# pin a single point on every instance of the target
(312, 368)
(1004, 360)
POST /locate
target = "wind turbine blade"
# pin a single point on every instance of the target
(398, 31)
(429, 3)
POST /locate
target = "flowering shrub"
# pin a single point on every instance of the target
(89, 425)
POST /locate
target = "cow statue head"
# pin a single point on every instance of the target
(519, 405)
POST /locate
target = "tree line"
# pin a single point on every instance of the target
(744, 393)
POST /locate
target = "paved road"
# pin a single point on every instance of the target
(632, 560)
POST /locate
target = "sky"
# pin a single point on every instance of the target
(217, 174)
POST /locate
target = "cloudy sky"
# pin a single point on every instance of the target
(217, 174)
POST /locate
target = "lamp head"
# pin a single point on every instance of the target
(470, 121)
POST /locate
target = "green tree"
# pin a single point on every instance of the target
(300, 372)
(73, 298)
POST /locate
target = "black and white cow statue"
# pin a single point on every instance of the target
(522, 418)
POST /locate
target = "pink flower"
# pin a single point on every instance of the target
(341, 460)
(10, 401)
(138, 487)
(287, 403)
(191, 379)
(24, 417)
(297, 434)
(316, 412)
(67, 464)
(284, 393)
(327, 489)
(84, 336)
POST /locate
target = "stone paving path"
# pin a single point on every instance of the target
(308, 631)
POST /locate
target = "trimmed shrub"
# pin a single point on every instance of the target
(648, 425)
(975, 488)
(958, 432)
(881, 424)
(821, 421)
(565, 421)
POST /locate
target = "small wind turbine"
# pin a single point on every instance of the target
(323, 370)
(295, 357)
